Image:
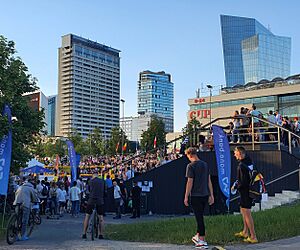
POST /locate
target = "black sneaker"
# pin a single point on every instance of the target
(100, 237)
(83, 236)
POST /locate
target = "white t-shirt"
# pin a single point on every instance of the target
(61, 195)
(117, 192)
(129, 174)
(74, 193)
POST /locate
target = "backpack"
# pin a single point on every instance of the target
(45, 191)
(256, 185)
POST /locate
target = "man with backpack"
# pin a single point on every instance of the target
(43, 192)
(243, 186)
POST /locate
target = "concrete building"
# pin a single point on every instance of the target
(88, 87)
(38, 101)
(156, 96)
(282, 95)
(135, 126)
(252, 52)
(52, 102)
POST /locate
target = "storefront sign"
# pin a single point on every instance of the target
(199, 100)
(200, 113)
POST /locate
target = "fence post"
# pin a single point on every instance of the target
(290, 143)
(278, 136)
(252, 125)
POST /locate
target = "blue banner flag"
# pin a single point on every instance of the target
(222, 150)
(72, 157)
(5, 154)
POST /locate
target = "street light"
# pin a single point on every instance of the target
(123, 129)
(210, 92)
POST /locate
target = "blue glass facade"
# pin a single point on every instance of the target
(51, 115)
(251, 52)
(156, 95)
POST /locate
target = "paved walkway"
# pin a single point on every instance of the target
(66, 232)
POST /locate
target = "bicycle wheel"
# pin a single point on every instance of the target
(37, 219)
(92, 228)
(12, 229)
(30, 225)
(95, 225)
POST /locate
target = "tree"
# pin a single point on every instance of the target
(96, 142)
(14, 82)
(80, 145)
(116, 140)
(156, 129)
(190, 130)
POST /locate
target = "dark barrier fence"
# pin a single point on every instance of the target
(168, 181)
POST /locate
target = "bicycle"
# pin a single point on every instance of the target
(14, 224)
(93, 225)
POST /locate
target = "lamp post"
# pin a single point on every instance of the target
(123, 103)
(210, 93)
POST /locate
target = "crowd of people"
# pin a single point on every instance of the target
(240, 128)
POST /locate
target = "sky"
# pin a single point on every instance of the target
(180, 37)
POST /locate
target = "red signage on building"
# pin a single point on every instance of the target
(199, 100)
(200, 113)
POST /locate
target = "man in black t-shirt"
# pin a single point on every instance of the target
(98, 191)
(136, 200)
(199, 187)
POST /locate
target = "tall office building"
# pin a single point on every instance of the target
(88, 87)
(156, 96)
(38, 102)
(51, 114)
(252, 52)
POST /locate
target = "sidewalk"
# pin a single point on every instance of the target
(65, 234)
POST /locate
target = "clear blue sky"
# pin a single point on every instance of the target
(181, 37)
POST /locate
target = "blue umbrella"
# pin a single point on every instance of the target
(37, 170)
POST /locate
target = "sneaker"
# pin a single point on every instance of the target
(132, 217)
(201, 244)
(100, 237)
(241, 235)
(23, 238)
(195, 239)
(83, 236)
(251, 241)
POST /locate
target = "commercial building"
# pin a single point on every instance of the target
(88, 87)
(156, 96)
(252, 52)
(51, 114)
(282, 95)
(38, 102)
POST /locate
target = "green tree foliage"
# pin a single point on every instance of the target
(117, 137)
(191, 130)
(96, 142)
(80, 145)
(156, 128)
(14, 82)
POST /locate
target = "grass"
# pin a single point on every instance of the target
(282, 222)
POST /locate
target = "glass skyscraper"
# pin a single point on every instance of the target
(252, 52)
(51, 114)
(156, 96)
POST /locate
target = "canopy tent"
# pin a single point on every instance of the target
(34, 162)
(37, 170)
(36, 167)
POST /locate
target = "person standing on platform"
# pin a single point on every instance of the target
(136, 201)
(200, 188)
(242, 185)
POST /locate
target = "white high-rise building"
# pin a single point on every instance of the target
(88, 87)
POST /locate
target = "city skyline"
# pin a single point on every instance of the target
(182, 38)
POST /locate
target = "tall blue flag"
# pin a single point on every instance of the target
(5, 154)
(222, 150)
(72, 157)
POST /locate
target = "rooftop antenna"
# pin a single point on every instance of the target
(198, 93)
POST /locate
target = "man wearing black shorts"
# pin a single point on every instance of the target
(98, 191)
(242, 185)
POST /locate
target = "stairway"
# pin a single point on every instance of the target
(279, 199)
